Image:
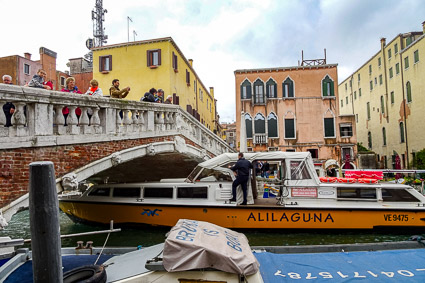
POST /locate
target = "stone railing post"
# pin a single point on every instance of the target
(135, 120)
(40, 120)
(84, 121)
(2, 115)
(159, 121)
(19, 120)
(118, 121)
(72, 121)
(95, 121)
(149, 121)
(142, 120)
(127, 121)
(59, 120)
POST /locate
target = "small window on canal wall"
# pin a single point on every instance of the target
(126, 192)
(102, 192)
(398, 195)
(192, 192)
(158, 192)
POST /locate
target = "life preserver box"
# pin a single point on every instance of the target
(86, 274)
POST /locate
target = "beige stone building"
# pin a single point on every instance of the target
(296, 109)
(387, 96)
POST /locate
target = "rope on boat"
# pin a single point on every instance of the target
(104, 244)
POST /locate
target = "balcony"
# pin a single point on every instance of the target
(260, 139)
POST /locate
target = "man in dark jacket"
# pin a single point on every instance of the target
(241, 167)
(8, 108)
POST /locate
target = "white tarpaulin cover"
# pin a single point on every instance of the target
(195, 244)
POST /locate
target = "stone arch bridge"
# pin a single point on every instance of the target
(148, 142)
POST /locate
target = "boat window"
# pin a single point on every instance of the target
(102, 192)
(219, 176)
(299, 170)
(126, 192)
(356, 193)
(192, 175)
(158, 192)
(398, 195)
(192, 192)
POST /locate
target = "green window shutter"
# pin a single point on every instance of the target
(325, 88)
(248, 124)
(289, 129)
(291, 89)
(259, 124)
(332, 88)
(329, 127)
(272, 126)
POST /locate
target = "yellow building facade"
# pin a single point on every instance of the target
(159, 64)
(387, 95)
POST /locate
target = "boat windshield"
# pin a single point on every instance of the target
(299, 170)
(214, 175)
(193, 174)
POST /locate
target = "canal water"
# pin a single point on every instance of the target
(19, 228)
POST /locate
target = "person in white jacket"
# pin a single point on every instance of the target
(95, 91)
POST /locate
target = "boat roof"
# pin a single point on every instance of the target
(251, 156)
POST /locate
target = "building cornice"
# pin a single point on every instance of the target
(277, 69)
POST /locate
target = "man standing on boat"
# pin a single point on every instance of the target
(241, 167)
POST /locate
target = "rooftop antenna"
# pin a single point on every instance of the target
(98, 17)
(128, 27)
(134, 35)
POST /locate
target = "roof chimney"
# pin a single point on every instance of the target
(212, 91)
(423, 27)
(191, 62)
(27, 55)
(383, 42)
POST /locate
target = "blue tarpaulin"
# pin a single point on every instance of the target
(374, 266)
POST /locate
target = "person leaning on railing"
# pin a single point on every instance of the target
(8, 108)
(115, 91)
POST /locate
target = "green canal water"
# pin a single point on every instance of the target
(19, 228)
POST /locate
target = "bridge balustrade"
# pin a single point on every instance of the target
(38, 120)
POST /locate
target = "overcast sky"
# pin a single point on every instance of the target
(220, 36)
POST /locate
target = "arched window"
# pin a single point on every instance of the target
(259, 92)
(408, 92)
(401, 132)
(384, 136)
(271, 88)
(248, 125)
(272, 126)
(288, 88)
(328, 87)
(246, 90)
(369, 140)
(259, 124)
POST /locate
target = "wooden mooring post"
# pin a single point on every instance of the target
(44, 223)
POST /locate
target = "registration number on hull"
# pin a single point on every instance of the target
(396, 217)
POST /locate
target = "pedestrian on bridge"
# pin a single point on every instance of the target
(115, 91)
(8, 108)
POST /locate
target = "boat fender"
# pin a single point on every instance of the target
(85, 274)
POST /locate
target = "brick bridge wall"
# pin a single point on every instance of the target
(14, 166)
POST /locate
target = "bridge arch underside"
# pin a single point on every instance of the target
(148, 168)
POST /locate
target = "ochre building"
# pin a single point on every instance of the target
(155, 63)
(387, 96)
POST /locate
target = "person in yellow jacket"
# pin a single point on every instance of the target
(115, 91)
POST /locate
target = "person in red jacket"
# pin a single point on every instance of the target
(70, 87)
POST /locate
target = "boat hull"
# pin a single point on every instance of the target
(244, 216)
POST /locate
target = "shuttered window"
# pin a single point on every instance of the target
(288, 88)
(259, 124)
(248, 125)
(259, 92)
(289, 128)
(329, 128)
(328, 87)
(246, 90)
(272, 126)
(153, 57)
(105, 63)
(271, 89)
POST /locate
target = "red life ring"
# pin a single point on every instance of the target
(327, 179)
(367, 181)
(347, 180)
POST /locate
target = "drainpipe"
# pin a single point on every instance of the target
(404, 109)
(385, 77)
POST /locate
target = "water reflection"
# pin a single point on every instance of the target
(19, 228)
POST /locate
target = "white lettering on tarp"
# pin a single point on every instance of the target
(233, 241)
(355, 274)
(405, 273)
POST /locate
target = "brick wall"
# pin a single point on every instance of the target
(14, 164)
